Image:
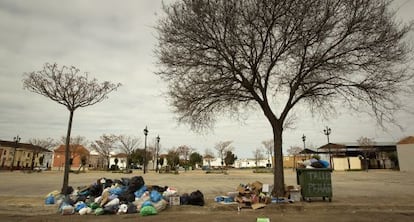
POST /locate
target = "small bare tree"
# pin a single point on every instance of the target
(184, 151)
(104, 146)
(269, 145)
(222, 147)
(208, 156)
(67, 87)
(294, 151)
(128, 144)
(366, 146)
(227, 56)
(258, 156)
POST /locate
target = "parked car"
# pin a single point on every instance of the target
(40, 168)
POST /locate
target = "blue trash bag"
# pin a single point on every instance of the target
(155, 196)
(146, 203)
(50, 200)
(140, 191)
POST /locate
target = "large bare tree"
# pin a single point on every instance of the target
(227, 56)
(128, 144)
(67, 86)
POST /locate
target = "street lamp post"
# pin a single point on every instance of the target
(16, 139)
(145, 150)
(304, 139)
(327, 132)
(158, 150)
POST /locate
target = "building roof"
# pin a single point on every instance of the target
(120, 155)
(407, 140)
(27, 146)
(73, 148)
(354, 145)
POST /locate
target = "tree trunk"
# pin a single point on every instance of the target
(278, 177)
(67, 152)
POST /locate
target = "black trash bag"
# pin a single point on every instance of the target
(184, 199)
(135, 183)
(196, 198)
(66, 191)
(159, 188)
(82, 198)
(111, 209)
(132, 209)
(127, 196)
(125, 181)
(95, 190)
(317, 165)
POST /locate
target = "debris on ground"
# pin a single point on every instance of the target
(257, 195)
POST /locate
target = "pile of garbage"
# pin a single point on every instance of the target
(124, 196)
(257, 195)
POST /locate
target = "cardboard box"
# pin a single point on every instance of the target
(174, 200)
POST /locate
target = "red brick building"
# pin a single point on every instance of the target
(77, 152)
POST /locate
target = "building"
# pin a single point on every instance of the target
(77, 153)
(346, 156)
(119, 160)
(251, 163)
(15, 155)
(405, 150)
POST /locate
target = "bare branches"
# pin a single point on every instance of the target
(225, 56)
(104, 146)
(47, 143)
(66, 86)
(220, 56)
(129, 143)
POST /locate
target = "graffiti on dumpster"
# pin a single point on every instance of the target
(318, 183)
(318, 188)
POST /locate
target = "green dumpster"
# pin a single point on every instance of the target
(315, 183)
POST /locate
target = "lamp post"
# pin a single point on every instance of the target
(304, 139)
(145, 150)
(158, 150)
(16, 139)
(327, 132)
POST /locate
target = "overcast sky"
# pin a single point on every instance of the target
(114, 41)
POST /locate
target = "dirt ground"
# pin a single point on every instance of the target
(357, 196)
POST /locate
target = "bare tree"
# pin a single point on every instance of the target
(128, 144)
(366, 146)
(104, 146)
(208, 156)
(227, 56)
(258, 156)
(76, 140)
(47, 143)
(184, 151)
(222, 147)
(66, 86)
(269, 145)
(294, 151)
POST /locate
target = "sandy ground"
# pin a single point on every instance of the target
(357, 196)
